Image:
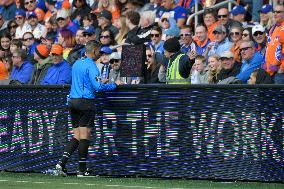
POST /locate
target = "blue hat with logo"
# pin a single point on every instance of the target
(31, 14)
(238, 9)
(266, 8)
(89, 30)
(20, 12)
(106, 50)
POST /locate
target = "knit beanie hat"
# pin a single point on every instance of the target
(42, 51)
(172, 45)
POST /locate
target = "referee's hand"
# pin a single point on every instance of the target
(118, 82)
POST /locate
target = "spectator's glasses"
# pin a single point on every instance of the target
(164, 20)
(28, 39)
(235, 33)
(32, 17)
(104, 36)
(29, 2)
(223, 16)
(244, 49)
(155, 35)
(277, 12)
(245, 34)
(258, 33)
(19, 18)
(15, 56)
(149, 55)
(112, 61)
(54, 55)
(1, 18)
(185, 34)
(216, 33)
(225, 58)
(13, 26)
(87, 34)
(60, 19)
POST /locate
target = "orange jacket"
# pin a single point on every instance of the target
(4, 74)
(211, 29)
(274, 57)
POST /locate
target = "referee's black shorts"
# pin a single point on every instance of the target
(82, 112)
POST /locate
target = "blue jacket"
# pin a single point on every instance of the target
(58, 74)
(22, 73)
(249, 66)
(221, 47)
(85, 82)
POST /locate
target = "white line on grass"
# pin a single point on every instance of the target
(4, 180)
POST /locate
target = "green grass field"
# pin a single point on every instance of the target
(40, 181)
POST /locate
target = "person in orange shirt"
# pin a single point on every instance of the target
(235, 36)
(4, 70)
(210, 21)
(274, 62)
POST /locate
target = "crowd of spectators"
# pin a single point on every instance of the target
(41, 39)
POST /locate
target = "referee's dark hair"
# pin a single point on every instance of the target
(93, 46)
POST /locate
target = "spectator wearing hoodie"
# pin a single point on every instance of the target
(251, 60)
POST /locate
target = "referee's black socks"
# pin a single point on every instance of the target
(70, 148)
(83, 153)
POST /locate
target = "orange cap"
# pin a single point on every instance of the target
(42, 51)
(66, 5)
(56, 49)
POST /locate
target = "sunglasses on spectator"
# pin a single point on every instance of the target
(112, 61)
(216, 32)
(223, 16)
(60, 19)
(225, 58)
(277, 12)
(28, 39)
(245, 34)
(155, 35)
(1, 18)
(164, 19)
(149, 55)
(13, 26)
(105, 36)
(258, 33)
(185, 34)
(235, 33)
(29, 2)
(19, 18)
(87, 34)
(244, 49)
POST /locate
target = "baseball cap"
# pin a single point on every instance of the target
(20, 12)
(106, 50)
(227, 54)
(266, 8)
(56, 49)
(62, 13)
(258, 28)
(42, 51)
(31, 14)
(238, 9)
(89, 30)
(115, 56)
(220, 29)
(105, 13)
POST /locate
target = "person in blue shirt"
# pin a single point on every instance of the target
(82, 106)
(251, 60)
(172, 10)
(22, 70)
(60, 71)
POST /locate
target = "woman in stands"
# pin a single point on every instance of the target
(67, 40)
(235, 36)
